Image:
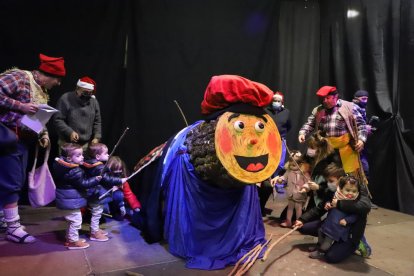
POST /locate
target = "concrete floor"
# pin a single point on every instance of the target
(389, 233)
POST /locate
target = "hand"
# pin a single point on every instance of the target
(359, 146)
(334, 202)
(313, 186)
(95, 141)
(44, 142)
(342, 222)
(273, 181)
(301, 138)
(328, 206)
(74, 137)
(297, 224)
(123, 180)
(28, 108)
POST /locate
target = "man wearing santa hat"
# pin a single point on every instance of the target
(79, 117)
(21, 92)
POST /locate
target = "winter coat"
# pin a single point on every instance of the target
(333, 229)
(71, 185)
(94, 168)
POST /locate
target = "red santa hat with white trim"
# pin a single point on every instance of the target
(87, 83)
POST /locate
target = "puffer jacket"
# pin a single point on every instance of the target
(71, 185)
(94, 168)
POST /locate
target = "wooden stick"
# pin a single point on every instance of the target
(113, 150)
(249, 253)
(245, 268)
(241, 259)
(277, 241)
(181, 111)
(255, 252)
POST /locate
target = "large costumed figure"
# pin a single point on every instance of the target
(198, 189)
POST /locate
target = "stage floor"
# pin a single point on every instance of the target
(389, 233)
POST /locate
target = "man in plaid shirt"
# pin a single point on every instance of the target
(343, 125)
(21, 92)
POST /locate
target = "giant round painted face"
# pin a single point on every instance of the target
(248, 146)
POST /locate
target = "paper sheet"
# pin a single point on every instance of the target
(38, 120)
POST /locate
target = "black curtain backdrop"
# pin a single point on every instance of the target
(145, 55)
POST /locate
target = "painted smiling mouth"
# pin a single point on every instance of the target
(252, 164)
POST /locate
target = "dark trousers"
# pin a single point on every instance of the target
(338, 252)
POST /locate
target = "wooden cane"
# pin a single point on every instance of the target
(113, 150)
(276, 242)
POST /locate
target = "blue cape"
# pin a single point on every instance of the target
(208, 226)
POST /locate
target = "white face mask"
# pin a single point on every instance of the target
(311, 152)
(332, 186)
(276, 105)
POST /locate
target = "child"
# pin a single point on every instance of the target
(71, 187)
(296, 175)
(99, 195)
(117, 168)
(336, 225)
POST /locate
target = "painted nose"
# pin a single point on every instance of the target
(253, 141)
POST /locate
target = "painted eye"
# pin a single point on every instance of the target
(238, 126)
(259, 126)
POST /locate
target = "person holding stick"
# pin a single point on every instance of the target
(97, 167)
(344, 126)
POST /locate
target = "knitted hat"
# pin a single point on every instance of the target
(227, 90)
(52, 65)
(361, 93)
(87, 83)
(326, 90)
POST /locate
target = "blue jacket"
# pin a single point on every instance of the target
(71, 185)
(94, 168)
(333, 229)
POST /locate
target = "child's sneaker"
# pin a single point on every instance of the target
(68, 242)
(285, 224)
(98, 236)
(79, 244)
(316, 255)
(364, 248)
(122, 210)
(103, 232)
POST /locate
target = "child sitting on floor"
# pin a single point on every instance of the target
(101, 194)
(71, 189)
(296, 175)
(118, 168)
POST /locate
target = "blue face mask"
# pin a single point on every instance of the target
(276, 105)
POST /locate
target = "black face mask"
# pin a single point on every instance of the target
(362, 104)
(85, 96)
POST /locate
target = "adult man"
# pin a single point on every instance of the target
(281, 116)
(79, 117)
(20, 93)
(343, 125)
